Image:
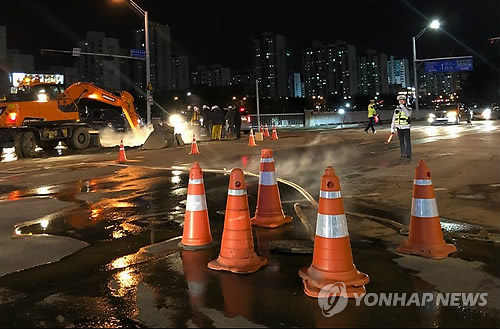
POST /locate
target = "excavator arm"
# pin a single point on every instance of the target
(85, 90)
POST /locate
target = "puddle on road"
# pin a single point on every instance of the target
(115, 207)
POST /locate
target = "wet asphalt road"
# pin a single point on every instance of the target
(110, 284)
(113, 283)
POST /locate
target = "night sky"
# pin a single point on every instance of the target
(220, 31)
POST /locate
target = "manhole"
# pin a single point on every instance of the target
(292, 246)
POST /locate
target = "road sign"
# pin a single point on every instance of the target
(138, 53)
(77, 52)
(449, 65)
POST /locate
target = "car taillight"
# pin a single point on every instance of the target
(12, 118)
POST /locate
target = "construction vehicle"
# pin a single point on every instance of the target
(38, 114)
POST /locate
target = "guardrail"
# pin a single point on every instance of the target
(280, 119)
(313, 118)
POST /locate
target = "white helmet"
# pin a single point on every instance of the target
(401, 97)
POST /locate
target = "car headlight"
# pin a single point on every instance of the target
(451, 114)
(432, 116)
(430, 120)
(487, 114)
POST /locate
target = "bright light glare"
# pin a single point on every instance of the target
(176, 120)
(348, 105)
(487, 114)
(44, 223)
(341, 111)
(435, 24)
(43, 98)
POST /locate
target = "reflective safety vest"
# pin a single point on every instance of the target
(402, 119)
(371, 111)
(196, 118)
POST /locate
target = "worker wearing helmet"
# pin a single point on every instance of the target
(196, 121)
(205, 116)
(401, 121)
(218, 120)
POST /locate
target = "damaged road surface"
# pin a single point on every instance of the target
(88, 243)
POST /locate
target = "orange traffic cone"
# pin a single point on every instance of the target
(196, 233)
(194, 146)
(237, 252)
(266, 132)
(332, 259)
(251, 139)
(426, 237)
(274, 137)
(269, 212)
(122, 157)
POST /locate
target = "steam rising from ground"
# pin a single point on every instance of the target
(111, 138)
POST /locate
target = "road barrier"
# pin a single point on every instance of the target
(312, 118)
(279, 119)
(315, 119)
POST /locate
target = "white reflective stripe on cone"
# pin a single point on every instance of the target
(332, 226)
(267, 178)
(422, 182)
(236, 192)
(266, 160)
(196, 181)
(196, 203)
(330, 195)
(425, 208)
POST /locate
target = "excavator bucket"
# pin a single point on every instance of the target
(162, 137)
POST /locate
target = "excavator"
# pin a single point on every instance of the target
(39, 114)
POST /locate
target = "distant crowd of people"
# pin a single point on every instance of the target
(215, 122)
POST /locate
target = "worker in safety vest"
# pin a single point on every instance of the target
(372, 112)
(196, 121)
(401, 121)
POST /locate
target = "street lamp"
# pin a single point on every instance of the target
(189, 94)
(435, 24)
(149, 97)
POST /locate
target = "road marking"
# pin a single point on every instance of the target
(440, 189)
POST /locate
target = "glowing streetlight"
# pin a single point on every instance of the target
(189, 94)
(176, 98)
(435, 24)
